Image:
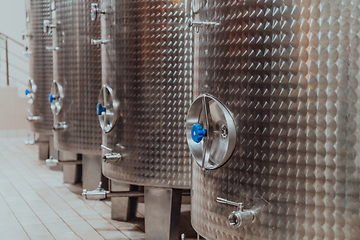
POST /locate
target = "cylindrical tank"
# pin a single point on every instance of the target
(275, 131)
(77, 74)
(41, 71)
(147, 92)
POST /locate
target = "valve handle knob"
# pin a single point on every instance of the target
(27, 92)
(198, 133)
(51, 98)
(100, 109)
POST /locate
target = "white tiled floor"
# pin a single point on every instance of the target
(35, 204)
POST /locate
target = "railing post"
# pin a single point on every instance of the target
(7, 62)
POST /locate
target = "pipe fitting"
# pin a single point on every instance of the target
(59, 126)
(239, 218)
(51, 162)
(97, 194)
(33, 119)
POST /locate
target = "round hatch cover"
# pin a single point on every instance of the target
(107, 108)
(210, 132)
(56, 97)
(30, 91)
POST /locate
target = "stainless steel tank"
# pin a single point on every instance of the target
(41, 74)
(147, 92)
(275, 131)
(147, 77)
(77, 74)
(77, 80)
(40, 61)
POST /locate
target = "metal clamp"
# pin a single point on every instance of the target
(33, 118)
(48, 26)
(59, 126)
(111, 156)
(240, 217)
(99, 42)
(52, 48)
(95, 11)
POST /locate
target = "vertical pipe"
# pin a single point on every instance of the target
(7, 62)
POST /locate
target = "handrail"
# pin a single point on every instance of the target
(11, 39)
(5, 38)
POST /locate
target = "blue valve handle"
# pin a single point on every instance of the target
(197, 133)
(100, 109)
(27, 92)
(51, 98)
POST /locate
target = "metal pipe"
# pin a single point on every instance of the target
(125, 194)
(51, 162)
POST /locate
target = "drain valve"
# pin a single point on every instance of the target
(240, 217)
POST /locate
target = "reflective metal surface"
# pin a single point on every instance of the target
(288, 72)
(217, 141)
(148, 65)
(41, 72)
(77, 70)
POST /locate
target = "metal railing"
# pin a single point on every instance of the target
(9, 66)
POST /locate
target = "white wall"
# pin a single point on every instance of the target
(12, 23)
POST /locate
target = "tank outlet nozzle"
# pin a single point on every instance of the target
(97, 194)
(51, 162)
(198, 133)
(240, 218)
(112, 157)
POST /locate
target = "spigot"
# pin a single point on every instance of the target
(240, 217)
(100, 109)
(111, 156)
(198, 133)
(51, 162)
(27, 92)
(97, 194)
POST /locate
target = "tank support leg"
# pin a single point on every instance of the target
(71, 172)
(123, 208)
(43, 143)
(162, 213)
(91, 172)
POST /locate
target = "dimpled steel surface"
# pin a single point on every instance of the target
(289, 73)
(154, 88)
(40, 64)
(79, 73)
